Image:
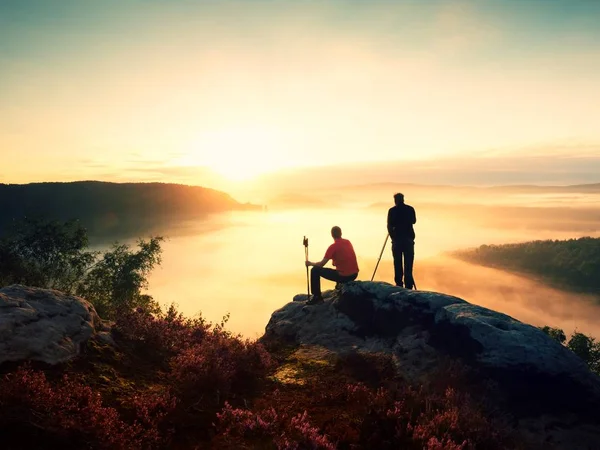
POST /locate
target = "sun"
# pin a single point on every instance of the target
(239, 153)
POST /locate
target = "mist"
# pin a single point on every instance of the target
(249, 264)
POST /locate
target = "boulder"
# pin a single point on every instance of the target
(44, 325)
(535, 374)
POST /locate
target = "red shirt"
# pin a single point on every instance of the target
(343, 256)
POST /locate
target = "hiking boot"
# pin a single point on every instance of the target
(315, 300)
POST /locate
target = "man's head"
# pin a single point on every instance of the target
(398, 199)
(336, 232)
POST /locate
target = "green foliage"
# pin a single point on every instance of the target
(116, 281)
(54, 255)
(46, 254)
(586, 347)
(555, 333)
(573, 263)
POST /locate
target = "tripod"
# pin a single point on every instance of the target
(381, 254)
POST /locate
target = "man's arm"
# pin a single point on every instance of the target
(414, 215)
(320, 263)
(328, 255)
(390, 225)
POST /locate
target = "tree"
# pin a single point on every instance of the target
(46, 254)
(116, 281)
(587, 349)
(555, 333)
(54, 255)
(583, 346)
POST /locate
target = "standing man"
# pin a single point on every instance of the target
(400, 221)
(344, 259)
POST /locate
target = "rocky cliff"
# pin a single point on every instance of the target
(541, 383)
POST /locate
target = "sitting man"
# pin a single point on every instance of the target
(344, 259)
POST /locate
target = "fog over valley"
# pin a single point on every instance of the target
(251, 263)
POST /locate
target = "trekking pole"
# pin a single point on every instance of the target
(305, 242)
(382, 248)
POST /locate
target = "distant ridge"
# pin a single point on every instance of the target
(571, 264)
(585, 188)
(106, 208)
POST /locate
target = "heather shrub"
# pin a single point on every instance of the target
(218, 368)
(202, 364)
(419, 417)
(162, 335)
(352, 415)
(200, 358)
(69, 415)
(153, 413)
(240, 428)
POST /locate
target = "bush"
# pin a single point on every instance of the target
(246, 429)
(218, 368)
(70, 415)
(405, 418)
(115, 282)
(162, 335)
(586, 347)
(202, 364)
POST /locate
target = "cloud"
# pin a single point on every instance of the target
(552, 164)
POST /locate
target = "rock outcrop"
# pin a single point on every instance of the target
(535, 374)
(44, 325)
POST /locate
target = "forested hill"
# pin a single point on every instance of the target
(573, 264)
(107, 208)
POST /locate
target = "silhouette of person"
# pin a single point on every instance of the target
(400, 221)
(344, 259)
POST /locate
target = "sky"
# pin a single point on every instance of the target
(218, 92)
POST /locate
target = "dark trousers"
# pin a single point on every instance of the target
(403, 249)
(329, 274)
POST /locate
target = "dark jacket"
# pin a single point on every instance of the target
(400, 222)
